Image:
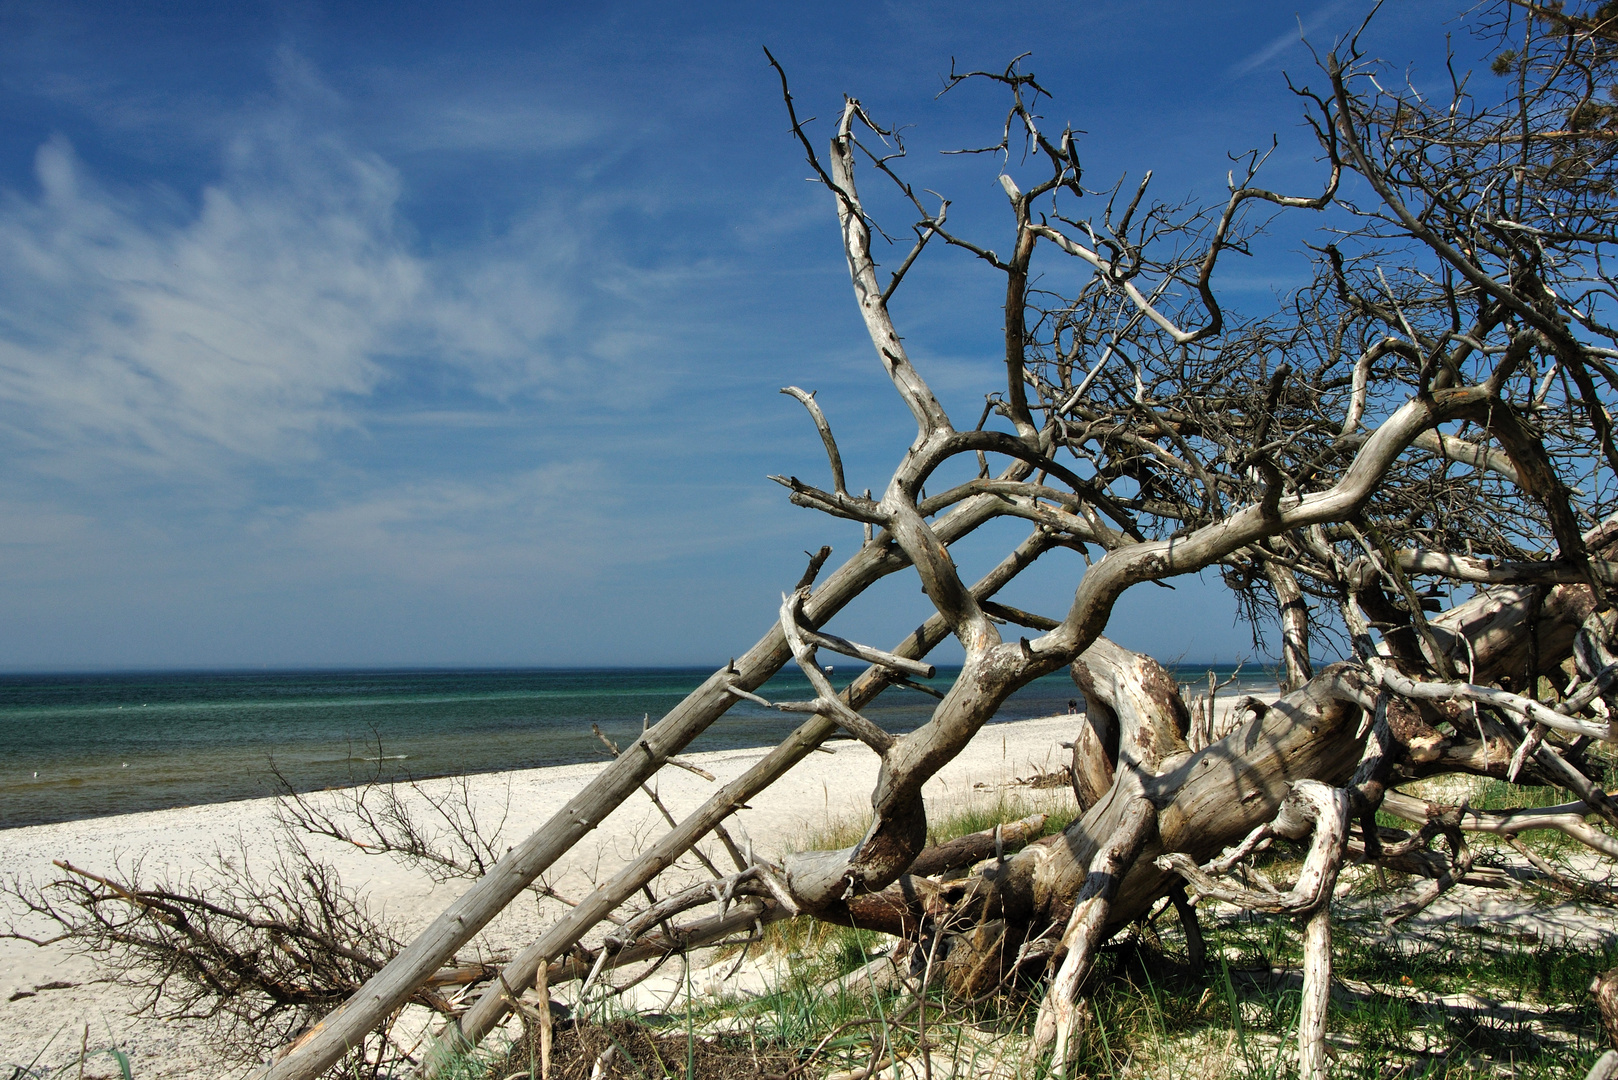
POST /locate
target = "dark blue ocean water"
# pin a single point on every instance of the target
(79, 746)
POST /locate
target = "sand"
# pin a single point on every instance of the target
(48, 1024)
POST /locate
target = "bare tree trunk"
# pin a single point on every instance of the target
(1054, 1026)
(1316, 993)
(1211, 799)
(327, 1041)
(567, 931)
(1294, 624)
(1201, 801)
(1276, 483)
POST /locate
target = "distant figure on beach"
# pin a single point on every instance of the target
(1072, 705)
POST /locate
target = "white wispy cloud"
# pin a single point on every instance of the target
(237, 329)
(1285, 41)
(431, 531)
(447, 121)
(167, 332)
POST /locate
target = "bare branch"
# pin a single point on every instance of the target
(808, 400)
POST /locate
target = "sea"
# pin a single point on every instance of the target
(89, 745)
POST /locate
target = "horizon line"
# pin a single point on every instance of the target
(431, 669)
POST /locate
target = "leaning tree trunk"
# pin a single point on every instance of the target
(1140, 781)
(1130, 758)
(1154, 811)
(1032, 910)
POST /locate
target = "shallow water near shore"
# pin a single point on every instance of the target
(80, 746)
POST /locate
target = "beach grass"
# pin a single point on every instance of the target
(1237, 1021)
(982, 809)
(1442, 1000)
(1438, 999)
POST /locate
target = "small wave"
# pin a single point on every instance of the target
(386, 757)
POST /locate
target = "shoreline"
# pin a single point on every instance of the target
(430, 778)
(187, 842)
(74, 749)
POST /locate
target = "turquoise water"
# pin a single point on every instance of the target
(80, 746)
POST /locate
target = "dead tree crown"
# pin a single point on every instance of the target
(1407, 462)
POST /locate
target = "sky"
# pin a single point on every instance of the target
(423, 334)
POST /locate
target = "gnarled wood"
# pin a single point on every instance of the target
(1307, 487)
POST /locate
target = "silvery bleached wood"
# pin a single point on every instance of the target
(329, 1040)
(1153, 797)
(521, 970)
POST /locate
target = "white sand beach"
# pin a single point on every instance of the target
(47, 1024)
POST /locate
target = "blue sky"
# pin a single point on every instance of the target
(428, 334)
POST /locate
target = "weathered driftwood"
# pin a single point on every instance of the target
(1092, 913)
(1310, 808)
(1327, 490)
(327, 1041)
(1200, 803)
(521, 970)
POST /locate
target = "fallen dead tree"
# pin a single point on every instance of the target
(1408, 424)
(1409, 459)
